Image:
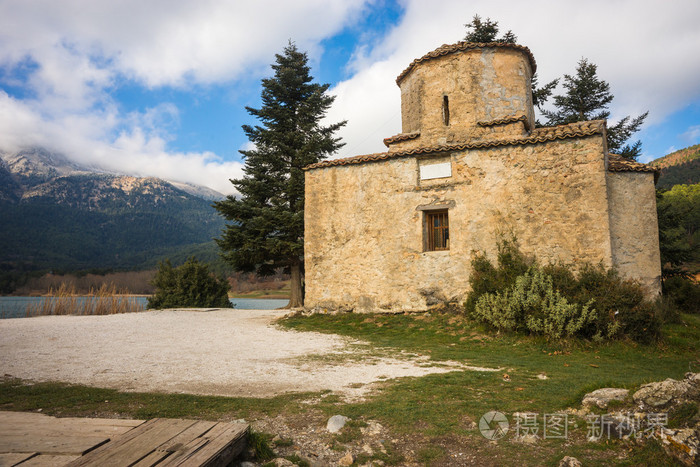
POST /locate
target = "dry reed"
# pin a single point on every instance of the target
(65, 301)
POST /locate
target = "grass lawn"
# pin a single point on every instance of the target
(445, 406)
(433, 417)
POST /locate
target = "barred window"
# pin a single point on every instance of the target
(437, 231)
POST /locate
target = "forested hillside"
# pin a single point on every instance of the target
(57, 216)
(679, 167)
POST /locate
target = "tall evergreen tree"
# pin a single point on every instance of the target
(587, 98)
(266, 229)
(487, 31)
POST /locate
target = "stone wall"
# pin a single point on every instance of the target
(634, 229)
(479, 85)
(364, 222)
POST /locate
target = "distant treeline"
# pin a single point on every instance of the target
(136, 282)
(133, 282)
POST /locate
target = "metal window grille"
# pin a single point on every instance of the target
(438, 230)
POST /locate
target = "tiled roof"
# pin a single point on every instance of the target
(620, 164)
(401, 137)
(503, 121)
(447, 49)
(539, 135)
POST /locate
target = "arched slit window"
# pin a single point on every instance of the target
(446, 110)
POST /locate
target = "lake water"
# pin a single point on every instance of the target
(15, 307)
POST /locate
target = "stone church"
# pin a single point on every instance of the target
(396, 231)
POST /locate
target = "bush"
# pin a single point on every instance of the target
(190, 285)
(683, 292)
(487, 279)
(534, 306)
(554, 301)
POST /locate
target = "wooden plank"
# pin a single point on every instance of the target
(184, 453)
(226, 441)
(135, 444)
(44, 443)
(199, 429)
(48, 460)
(176, 444)
(34, 432)
(8, 459)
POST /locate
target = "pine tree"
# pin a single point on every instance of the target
(486, 31)
(587, 98)
(266, 229)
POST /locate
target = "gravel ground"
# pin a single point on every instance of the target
(218, 352)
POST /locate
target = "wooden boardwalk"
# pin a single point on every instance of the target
(30, 440)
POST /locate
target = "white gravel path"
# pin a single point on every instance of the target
(220, 352)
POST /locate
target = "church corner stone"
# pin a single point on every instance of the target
(397, 231)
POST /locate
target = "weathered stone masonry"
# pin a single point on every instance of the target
(469, 149)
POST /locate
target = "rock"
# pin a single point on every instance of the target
(282, 462)
(569, 461)
(542, 376)
(373, 428)
(669, 392)
(336, 423)
(247, 464)
(602, 397)
(682, 444)
(346, 460)
(368, 449)
(527, 439)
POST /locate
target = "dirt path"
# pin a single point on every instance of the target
(221, 352)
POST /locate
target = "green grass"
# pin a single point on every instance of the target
(442, 405)
(61, 399)
(439, 402)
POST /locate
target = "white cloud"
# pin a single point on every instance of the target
(75, 51)
(645, 49)
(692, 134)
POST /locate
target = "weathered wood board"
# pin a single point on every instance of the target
(37, 440)
(171, 442)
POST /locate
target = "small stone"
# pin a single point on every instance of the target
(368, 449)
(569, 461)
(346, 460)
(542, 376)
(373, 428)
(602, 397)
(247, 464)
(336, 423)
(527, 439)
(282, 462)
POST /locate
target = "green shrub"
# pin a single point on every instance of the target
(684, 292)
(188, 285)
(533, 305)
(556, 301)
(487, 279)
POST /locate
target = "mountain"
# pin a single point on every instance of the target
(56, 214)
(679, 167)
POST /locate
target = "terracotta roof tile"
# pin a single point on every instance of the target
(401, 137)
(447, 49)
(618, 163)
(539, 135)
(503, 121)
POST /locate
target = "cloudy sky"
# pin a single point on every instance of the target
(158, 87)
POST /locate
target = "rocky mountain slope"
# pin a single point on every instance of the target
(57, 214)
